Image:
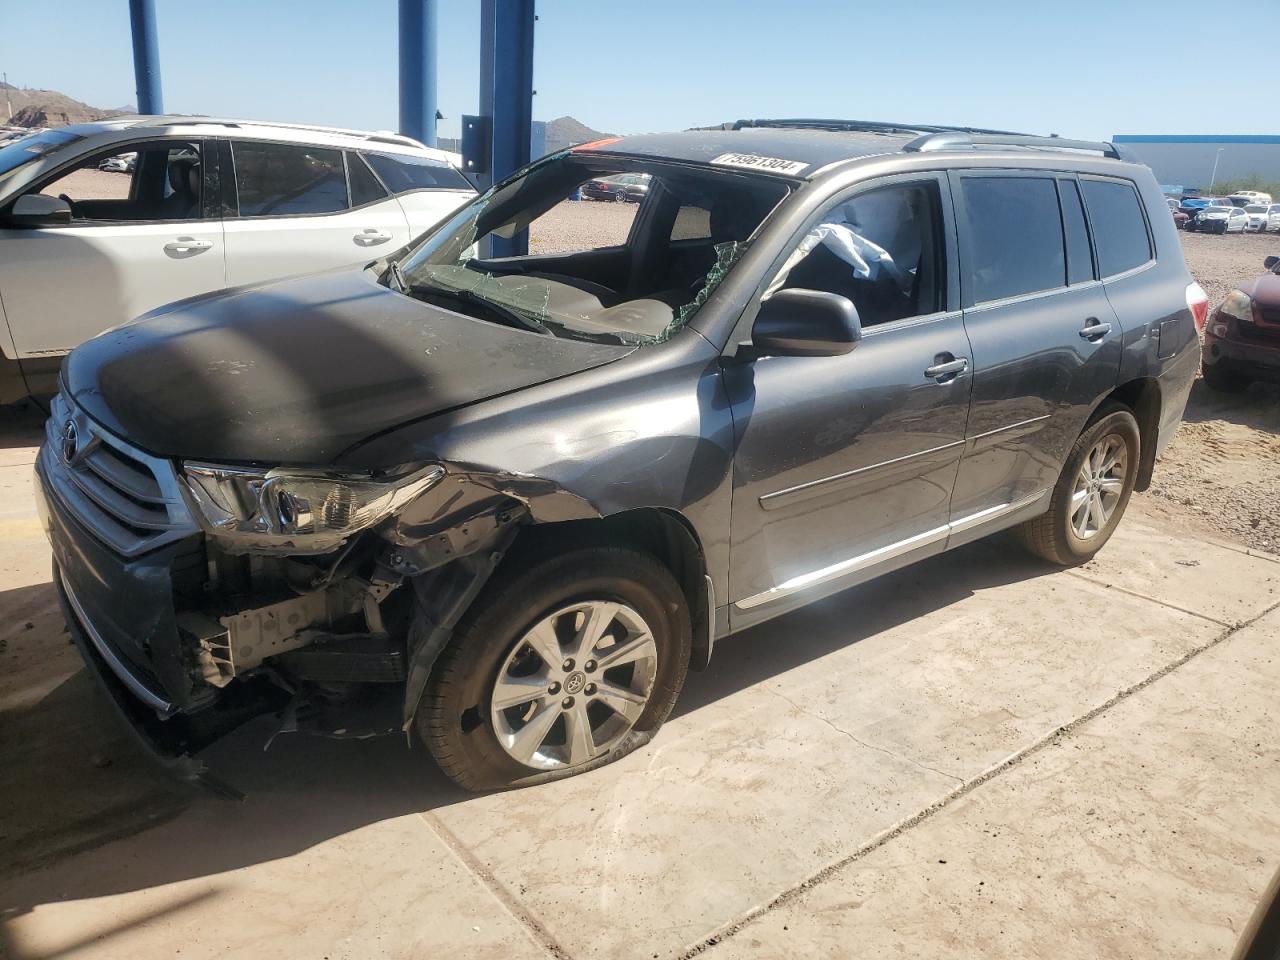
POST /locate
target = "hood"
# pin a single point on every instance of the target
(297, 371)
(1265, 290)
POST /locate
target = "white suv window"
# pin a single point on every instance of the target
(150, 181)
(279, 180)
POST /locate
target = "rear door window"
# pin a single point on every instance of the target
(279, 180)
(402, 172)
(1119, 228)
(1015, 244)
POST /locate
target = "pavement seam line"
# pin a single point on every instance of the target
(1142, 596)
(534, 927)
(1011, 761)
(863, 743)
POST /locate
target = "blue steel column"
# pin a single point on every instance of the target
(418, 70)
(146, 55)
(513, 22)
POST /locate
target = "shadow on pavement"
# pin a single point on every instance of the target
(83, 784)
(22, 425)
(1257, 408)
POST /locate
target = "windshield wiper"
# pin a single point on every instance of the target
(395, 277)
(512, 318)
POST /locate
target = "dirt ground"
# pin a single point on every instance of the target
(1221, 474)
(92, 185)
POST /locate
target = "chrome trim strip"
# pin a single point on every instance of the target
(853, 564)
(991, 513)
(889, 552)
(1012, 426)
(765, 498)
(118, 667)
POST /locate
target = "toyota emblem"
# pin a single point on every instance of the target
(70, 441)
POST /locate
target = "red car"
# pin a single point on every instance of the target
(1242, 338)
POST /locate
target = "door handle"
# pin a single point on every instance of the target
(187, 245)
(947, 370)
(371, 237)
(1094, 330)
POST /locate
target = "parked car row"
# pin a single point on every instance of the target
(1249, 212)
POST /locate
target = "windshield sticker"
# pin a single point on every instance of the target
(750, 161)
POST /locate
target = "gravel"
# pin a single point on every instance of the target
(1221, 473)
(582, 225)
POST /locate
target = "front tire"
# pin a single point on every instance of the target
(558, 668)
(1092, 491)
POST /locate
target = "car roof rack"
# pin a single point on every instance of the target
(850, 126)
(936, 137)
(371, 136)
(966, 140)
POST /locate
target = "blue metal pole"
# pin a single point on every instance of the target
(418, 70)
(513, 22)
(146, 55)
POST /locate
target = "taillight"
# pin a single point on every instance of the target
(1198, 304)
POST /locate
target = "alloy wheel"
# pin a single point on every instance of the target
(574, 685)
(1099, 486)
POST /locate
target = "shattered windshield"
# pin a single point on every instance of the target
(538, 253)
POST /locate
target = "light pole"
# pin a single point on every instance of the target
(1213, 177)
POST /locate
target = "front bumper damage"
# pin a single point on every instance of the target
(189, 642)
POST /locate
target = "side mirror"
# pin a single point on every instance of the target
(1271, 262)
(37, 210)
(805, 323)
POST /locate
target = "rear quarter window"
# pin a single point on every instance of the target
(1119, 228)
(402, 173)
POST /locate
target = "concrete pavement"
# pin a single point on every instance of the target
(1024, 724)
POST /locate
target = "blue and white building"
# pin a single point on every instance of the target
(1189, 159)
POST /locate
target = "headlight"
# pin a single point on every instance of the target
(1239, 305)
(297, 511)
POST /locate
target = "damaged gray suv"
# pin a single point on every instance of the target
(505, 487)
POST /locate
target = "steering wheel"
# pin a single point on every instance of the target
(75, 207)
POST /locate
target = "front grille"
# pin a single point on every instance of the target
(129, 500)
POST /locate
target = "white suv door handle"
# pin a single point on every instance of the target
(187, 245)
(371, 237)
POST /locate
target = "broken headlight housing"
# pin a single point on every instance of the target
(296, 511)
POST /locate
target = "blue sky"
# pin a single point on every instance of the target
(1084, 68)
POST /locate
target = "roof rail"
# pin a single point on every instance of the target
(851, 126)
(960, 140)
(372, 136)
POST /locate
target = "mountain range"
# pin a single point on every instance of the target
(49, 108)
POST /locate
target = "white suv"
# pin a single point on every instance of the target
(206, 204)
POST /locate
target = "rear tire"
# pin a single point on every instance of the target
(1220, 379)
(494, 658)
(1090, 496)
